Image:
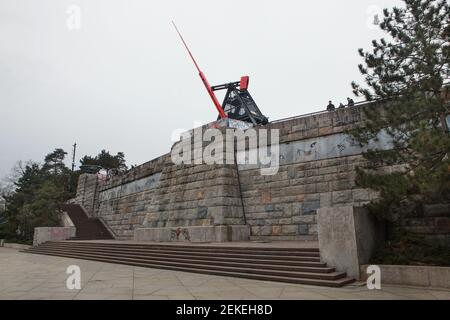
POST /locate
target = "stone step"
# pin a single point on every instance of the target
(176, 255)
(334, 279)
(193, 260)
(86, 228)
(284, 238)
(313, 252)
(89, 237)
(249, 254)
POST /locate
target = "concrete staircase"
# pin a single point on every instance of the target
(87, 228)
(292, 265)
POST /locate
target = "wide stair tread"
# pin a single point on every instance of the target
(209, 253)
(193, 260)
(192, 246)
(293, 265)
(199, 256)
(335, 279)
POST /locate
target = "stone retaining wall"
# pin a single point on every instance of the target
(317, 164)
(122, 201)
(87, 192)
(317, 169)
(286, 204)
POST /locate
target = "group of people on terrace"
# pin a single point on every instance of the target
(331, 107)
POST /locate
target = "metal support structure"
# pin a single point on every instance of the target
(238, 103)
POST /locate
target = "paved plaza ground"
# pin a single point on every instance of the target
(29, 276)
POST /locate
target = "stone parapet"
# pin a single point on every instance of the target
(348, 236)
(44, 234)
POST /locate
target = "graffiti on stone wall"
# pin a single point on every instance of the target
(176, 233)
(136, 186)
(321, 148)
(309, 151)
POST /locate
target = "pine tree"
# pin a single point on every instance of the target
(408, 75)
(106, 160)
(54, 162)
(37, 197)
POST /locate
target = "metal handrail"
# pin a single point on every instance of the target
(446, 86)
(357, 104)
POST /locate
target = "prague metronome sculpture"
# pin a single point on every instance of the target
(238, 104)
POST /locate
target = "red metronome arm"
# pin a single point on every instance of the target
(203, 77)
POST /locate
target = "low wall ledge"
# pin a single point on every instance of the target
(421, 276)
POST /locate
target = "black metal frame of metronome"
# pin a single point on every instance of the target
(238, 104)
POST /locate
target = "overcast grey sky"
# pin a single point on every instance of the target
(123, 82)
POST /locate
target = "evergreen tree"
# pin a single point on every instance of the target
(107, 161)
(54, 162)
(56, 170)
(36, 192)
(37, 197)
(408, 75)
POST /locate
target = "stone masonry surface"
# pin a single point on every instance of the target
(317, 169)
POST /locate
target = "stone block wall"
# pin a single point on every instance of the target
(196, 194)
(122, 201)
(285, 205)
(317, 164)
(317, 169)
(87, 192)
